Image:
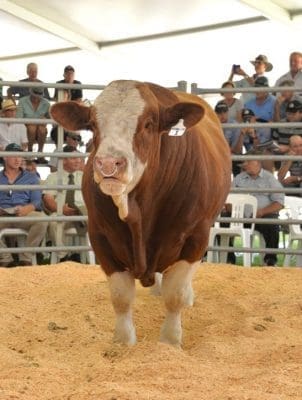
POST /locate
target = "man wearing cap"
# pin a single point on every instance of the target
(72, 139)
(20, 203)
(261, 65)
(283, 135)
(35, 106)
(231, 134)
(32, 73)
(262, 105)
(70, 94)
(283, 99)
(248, 138)
(295, 71)
(11, 132)
(72, 206)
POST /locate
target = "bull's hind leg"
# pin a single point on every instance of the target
(122, 288)
(177, 292)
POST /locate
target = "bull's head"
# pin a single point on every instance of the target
(127, 119)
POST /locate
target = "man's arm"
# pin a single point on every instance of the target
(272, 208)
(49, 203)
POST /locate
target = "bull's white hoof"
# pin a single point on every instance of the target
(125, 335)
(171, 331)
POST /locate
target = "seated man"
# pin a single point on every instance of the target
(294, 168)
(283, 135)
(21, 203)
(269, 204)
(73, 205)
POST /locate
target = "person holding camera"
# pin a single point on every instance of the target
(261, 65)
(248, 138)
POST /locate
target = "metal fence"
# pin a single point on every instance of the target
(182, 86)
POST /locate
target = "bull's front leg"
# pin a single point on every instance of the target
(177, 292)
(122, 289)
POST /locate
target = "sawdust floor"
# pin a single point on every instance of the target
(242, 338)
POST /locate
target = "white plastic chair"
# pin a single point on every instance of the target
(81, 240)
(239, 203)
(293, 205)
(20, 235)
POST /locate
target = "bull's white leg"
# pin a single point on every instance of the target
(122, 288)
(177, 292)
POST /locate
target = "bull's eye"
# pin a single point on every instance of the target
(148, 125)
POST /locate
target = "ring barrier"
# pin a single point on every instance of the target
(181, 86)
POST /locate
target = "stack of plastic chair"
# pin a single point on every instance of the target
(294, 206)
(240, 204)
(20, 235)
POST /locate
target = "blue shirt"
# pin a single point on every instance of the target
(12, 198)
(265, 112)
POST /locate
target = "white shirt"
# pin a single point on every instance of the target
(12, 133)
(288, 77)
(52, 179)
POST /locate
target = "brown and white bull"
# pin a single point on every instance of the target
(151, 196)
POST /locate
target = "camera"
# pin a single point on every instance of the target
(235, 67)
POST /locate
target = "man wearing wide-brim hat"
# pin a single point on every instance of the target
(261, 65)
(35, 106)
(262, 59)
(11, 132)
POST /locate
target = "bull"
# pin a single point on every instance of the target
(155, 181)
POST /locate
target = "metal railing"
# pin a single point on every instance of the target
(182, 86)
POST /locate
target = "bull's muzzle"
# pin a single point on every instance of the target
(110, 166)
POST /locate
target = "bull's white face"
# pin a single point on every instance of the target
(118, 109)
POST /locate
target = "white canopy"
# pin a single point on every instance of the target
(162, 41)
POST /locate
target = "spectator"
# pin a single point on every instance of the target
(21, 203)
(283, 99)
(269, 204)
(31, 166)
(283, 135)
(72, 139)
(248, 138)
(11, 132)
(235, 105)
(262, 106)
(295, 71)
(231, 134)
(71, 207)
(261, 65)
(35, 106)
(290, 172)
(32, 73)
(70, 94)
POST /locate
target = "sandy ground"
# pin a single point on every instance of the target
(242, 338)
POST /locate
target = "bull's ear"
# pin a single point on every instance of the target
(191, 113)
(71, 115)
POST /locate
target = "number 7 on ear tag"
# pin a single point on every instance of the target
(178, 129)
